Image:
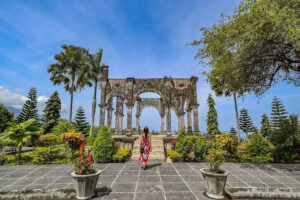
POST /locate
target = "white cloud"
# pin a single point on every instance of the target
(16, 100)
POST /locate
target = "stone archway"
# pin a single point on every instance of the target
(174, 94)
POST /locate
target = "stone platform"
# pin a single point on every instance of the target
(166, 181)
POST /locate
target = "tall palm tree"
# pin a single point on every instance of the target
(90, 75)
(69, 64)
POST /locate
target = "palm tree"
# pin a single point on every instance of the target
(20, 132)
(69, 63)
(91, 75)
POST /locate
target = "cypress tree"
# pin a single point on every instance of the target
(29, 109)
(279, 114)
(232, 130)
(5, 116)
(265, 128)
(246, 122)
(80, 122)
(51, 112)
(212, 117)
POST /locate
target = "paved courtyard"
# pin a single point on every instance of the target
(169, 181)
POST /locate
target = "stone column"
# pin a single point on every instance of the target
(169, 131)
(102, 115)
(180, 121)
(117, 123)
(162, 125)
(189, 121)
(109, 117)
(137, 126)
(195, 119)
(121, 124)
(121, 105)
(129, 119)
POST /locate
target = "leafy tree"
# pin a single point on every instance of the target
(90, 75)
(5, 117)
(20, 132)
(103, 147)
(51, 112)
(212, 117)
(278, 114)
(80, 122)
(246, 122)
(258, 44)
(69, 63)
(286, 140)
(29, 109)
(62, 126)
(232, 130)
(265, 128)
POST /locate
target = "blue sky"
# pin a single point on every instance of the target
(142, 39)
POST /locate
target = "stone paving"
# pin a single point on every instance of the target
(168, 181)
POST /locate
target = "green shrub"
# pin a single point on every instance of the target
(215, 158)
(47, 154)
(122, 155)
(3, 157)
(174, 155)
(184, 145)
(103, 147)
(202, 147)
(262, 159)
(11, 159)
(228, 142)
(62, 126)
(49, 140)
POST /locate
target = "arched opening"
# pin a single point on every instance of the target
(150, 117)
(174, 122)
(149, 95)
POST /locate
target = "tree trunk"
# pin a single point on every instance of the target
(93, 108)
(72, 91)
(237, 117)
(19, 154)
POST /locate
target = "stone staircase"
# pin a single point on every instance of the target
(157, 153)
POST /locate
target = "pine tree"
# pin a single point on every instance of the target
(51, 112)
(279, 114)
(212, 117)
(29, 109)
(265, 128)
(232, 130)
(80, 122)
(246, 122)
(5, 116)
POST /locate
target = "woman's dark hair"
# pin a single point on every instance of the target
(146, 131)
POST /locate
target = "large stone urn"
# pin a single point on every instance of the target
(214, 183)
(85, 184)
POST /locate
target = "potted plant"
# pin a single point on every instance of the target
(214, 177)
(85, 176)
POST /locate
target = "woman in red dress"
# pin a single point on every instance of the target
(145, 148)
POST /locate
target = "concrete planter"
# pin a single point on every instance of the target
(214, 183)
(85, 184)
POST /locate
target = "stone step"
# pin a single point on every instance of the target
(161, 148)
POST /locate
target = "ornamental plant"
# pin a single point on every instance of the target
(73, 140)
(228, 142)
(215, 159)
(83, 165)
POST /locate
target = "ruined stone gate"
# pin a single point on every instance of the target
(178, 94)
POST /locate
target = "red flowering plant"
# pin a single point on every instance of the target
(173, 143)
(83, 165)
(215, 159)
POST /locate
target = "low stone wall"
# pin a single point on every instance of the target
(124, 141)
(167, 142)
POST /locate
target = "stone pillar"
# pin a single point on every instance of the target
(162, 125)
(129, 119)
(189, 121)
(180, 121)
(109, 117)
(117, 123)
(137, 126)
(169, 131)
(102, 115)
(195, 119)
(121, 124)
(121, 105)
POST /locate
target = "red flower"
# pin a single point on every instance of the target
(82, 147)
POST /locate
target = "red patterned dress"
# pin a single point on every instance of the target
(146, 145)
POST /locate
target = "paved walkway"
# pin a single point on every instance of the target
(161, 181)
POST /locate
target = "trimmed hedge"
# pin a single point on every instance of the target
(103, 147)
(122, 155)
(174, 155)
